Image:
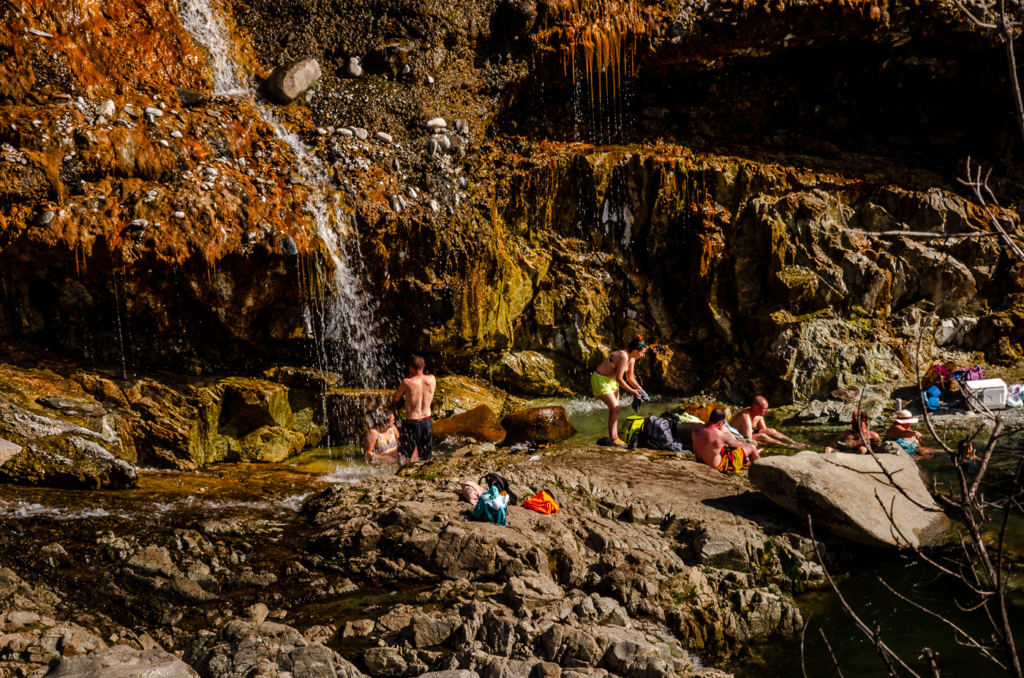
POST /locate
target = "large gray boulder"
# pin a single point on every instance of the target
(291, 80)
(846, 493)
(122, 661)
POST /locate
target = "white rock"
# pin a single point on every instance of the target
(154, 112)
(39, 33)
(107, 109)
(354, 69)
(345, 132)
(140, 223)
(179, 215)
(384, 136)
(321, 131)
(176, 134)
(164, 143)
(434, 206)
(430, 80)
(436, 122)
(411, 192)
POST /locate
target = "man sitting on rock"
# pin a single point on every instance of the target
(750, 422)
(417, 429)
(712, 443)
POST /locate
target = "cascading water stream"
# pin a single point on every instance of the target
(346, 317)
(206, 25)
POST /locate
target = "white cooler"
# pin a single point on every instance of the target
(989, 392)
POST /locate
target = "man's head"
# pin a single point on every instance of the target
(416, 364)
(760, 405)
(717, 417)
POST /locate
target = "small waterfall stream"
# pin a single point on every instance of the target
(207, 26)
(343, 319)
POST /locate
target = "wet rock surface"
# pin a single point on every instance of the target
(476, 425)
(541, 425)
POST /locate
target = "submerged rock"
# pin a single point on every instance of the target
(477, 425)
(540, 425)
(849, 495)
(291, 80)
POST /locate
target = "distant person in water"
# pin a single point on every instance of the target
(750, 423)
(614, 372)
(860, 439)
(713, 441)
(381, 443)
(417, 430)
(906, 437)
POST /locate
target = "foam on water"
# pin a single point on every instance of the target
(10, 510)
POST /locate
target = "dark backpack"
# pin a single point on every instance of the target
(656, 434)
(494, 480)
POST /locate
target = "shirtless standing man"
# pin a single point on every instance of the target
(711, 440)
(417, 429)
(750, 422)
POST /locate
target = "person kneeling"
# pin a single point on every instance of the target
(715, 446)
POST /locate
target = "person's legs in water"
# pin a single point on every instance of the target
(769, 436)
(611, 400)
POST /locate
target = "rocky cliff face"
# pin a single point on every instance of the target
(679, 171)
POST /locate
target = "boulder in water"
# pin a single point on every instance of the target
(538, 425)
(291, 80)
(477, 425)
(846, 493)
(122, 661)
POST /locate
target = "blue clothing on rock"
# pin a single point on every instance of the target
(491, 506)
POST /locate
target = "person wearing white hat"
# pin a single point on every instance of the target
(903, 435)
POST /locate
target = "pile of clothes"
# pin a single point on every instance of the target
(492, 504)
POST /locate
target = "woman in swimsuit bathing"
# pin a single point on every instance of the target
(613, 373)
(381, 442)
(908, 439)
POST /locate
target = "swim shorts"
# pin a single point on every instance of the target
(732, 460)
(909, 445)
(602, 384)
(417, 434)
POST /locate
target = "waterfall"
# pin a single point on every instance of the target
(206, 25)
(345, 318)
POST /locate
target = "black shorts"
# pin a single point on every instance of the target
(417, 435)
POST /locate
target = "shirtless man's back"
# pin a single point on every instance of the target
(710, 439)
(417, 429)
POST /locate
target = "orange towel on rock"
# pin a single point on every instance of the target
(542, 502)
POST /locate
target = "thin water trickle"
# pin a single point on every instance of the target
(120, 333)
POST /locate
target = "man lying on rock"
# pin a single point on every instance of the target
(712, 443)
(750, 422)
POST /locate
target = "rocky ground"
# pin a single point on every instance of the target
(618, 582)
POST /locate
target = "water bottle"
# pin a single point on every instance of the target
(899, 404)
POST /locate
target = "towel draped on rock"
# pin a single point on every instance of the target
(471, 492)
